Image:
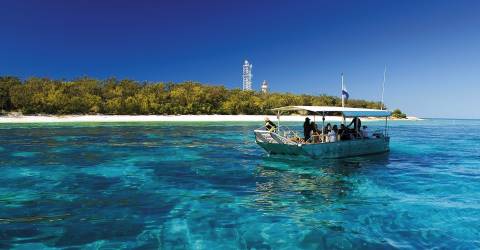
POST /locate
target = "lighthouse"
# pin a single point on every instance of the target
(264, 87)
(247, 76)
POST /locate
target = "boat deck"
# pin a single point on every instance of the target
(274, 143)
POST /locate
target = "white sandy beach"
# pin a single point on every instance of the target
(160, 118)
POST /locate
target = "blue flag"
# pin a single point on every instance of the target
(345, 94)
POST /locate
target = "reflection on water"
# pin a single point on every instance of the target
(207, 186)
(308, 185)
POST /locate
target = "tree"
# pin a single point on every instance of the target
(6, 84)
(112, 96)
(398, 114)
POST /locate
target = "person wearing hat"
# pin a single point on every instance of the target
(307, 129)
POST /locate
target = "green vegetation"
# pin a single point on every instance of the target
(112, 96)
(398, 114)
(6, 84)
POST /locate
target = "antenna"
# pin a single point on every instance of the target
(383, 85)
(343, 100)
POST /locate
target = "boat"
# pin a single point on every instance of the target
(285, 141)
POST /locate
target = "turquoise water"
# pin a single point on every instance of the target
(206, 186)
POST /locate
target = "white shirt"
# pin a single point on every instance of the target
(365, 133)
(332, 136)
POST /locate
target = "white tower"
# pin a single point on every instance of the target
(264, 87)
(247, 76)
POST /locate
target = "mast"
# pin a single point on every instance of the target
(343, 99)
(383, 85)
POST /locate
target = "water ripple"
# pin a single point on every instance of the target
(205, 186)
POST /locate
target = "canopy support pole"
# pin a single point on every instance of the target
(278, 120)
(323, 122)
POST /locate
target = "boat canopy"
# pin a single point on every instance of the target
(347, 112)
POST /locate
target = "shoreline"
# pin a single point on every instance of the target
(170, 118)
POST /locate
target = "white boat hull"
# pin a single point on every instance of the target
(339, 149)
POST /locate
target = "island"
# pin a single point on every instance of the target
(111, 100)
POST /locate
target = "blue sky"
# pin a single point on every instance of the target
(431, 48)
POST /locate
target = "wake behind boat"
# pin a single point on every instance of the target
(325, 142)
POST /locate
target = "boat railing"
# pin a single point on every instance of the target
(288, 132)
(286, 135)
(282, 135)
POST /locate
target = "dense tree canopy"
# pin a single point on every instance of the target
(6, 84)
(112, 96)
(397, 113)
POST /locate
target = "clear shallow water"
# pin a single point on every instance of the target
(204, 186)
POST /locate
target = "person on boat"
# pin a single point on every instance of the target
(327, 128)
(332, 134)
(307, 129)
(344, 133)
(364, 132)
(357, 124)
(269, 125)
(315, 134)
